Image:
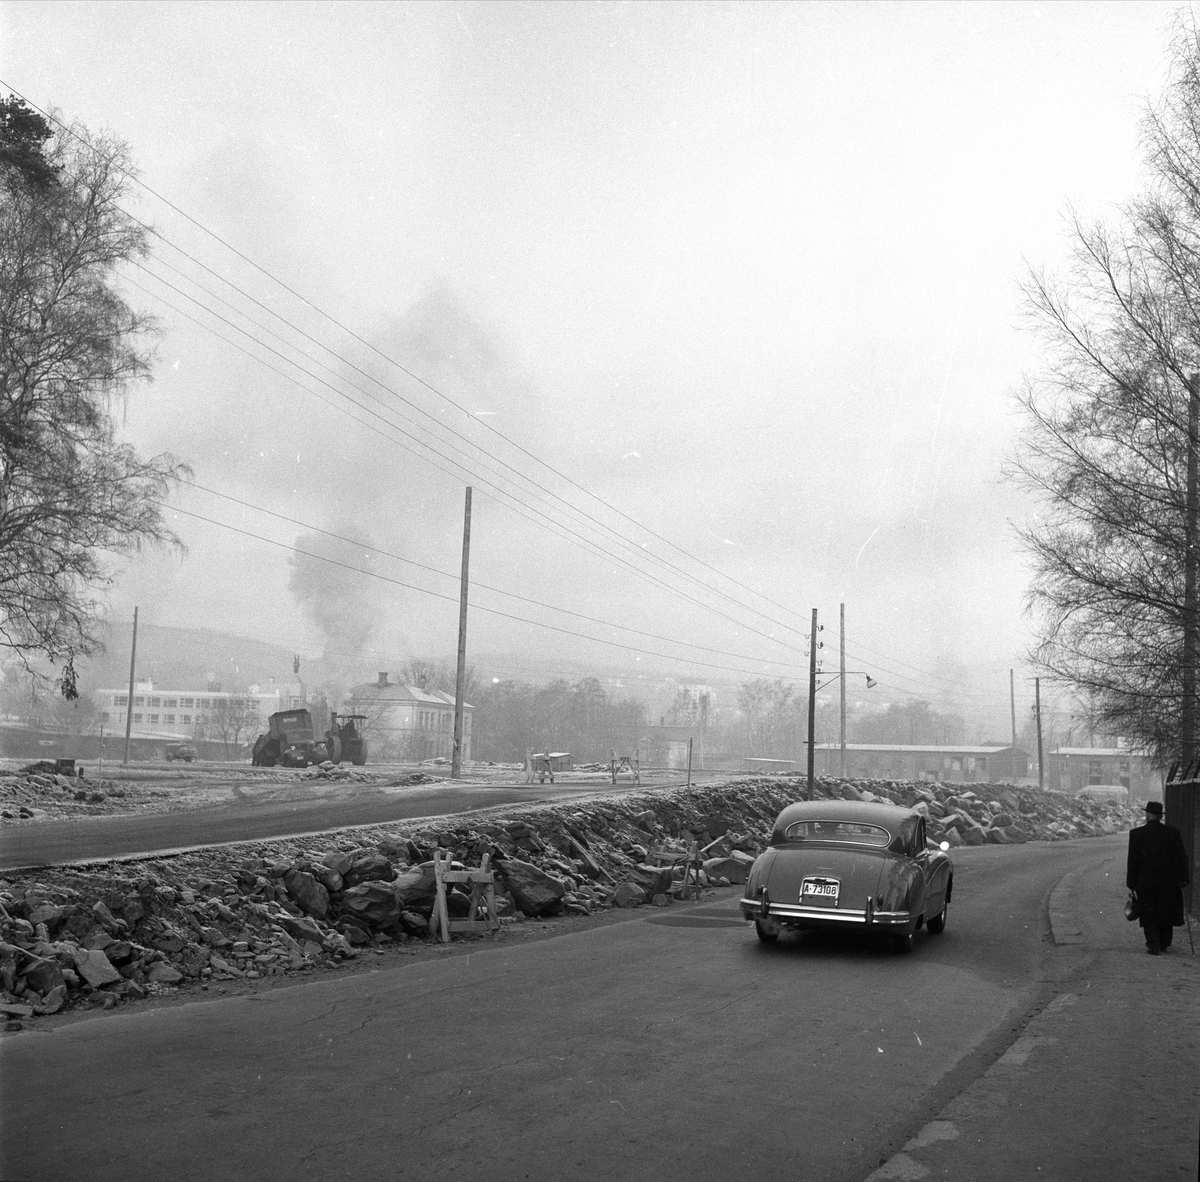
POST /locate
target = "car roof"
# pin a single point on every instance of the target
(859, 811)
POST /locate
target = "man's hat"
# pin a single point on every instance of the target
(1154, 808)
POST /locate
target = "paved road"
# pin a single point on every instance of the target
(95, 839)
(671, 1046)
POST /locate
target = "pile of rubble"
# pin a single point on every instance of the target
(97, 936)
(26, 793)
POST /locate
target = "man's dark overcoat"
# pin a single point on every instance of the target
(1157, 872)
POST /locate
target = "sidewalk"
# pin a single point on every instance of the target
(1104, 1082)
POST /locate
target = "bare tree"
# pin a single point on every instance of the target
(1106, 444)
(232, 717)
(70, 346)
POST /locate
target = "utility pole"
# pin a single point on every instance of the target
(129, 706)
(812, 698)
(461, 675)
(842, 675)
(1191, 647)
(1012, 702)
(1037, 709)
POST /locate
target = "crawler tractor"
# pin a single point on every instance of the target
(345, 741)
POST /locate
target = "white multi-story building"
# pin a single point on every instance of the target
(185, 714)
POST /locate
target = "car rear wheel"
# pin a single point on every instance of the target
(937, 926)
(767, 932)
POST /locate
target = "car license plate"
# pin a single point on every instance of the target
(823, 892)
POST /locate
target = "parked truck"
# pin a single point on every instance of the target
(290, 741)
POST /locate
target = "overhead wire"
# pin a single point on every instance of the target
(476, 584)
(448, 598)
(417, 378)
(606, 554)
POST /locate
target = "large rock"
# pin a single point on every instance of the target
(416, 888)
(162, 973)
(628, 894)
(307, 893)
(106, 919)
(39, 911)
(44, 974)
(331, 880)
(53, 1001)
(654, 880)
(337, 861)
(715, 826)
(373, 902)
(367, 866)
(533, 890)
(646, 819)
(300, 927)
(974, 835)
(95, 968)
(729, 868)
(590, 866)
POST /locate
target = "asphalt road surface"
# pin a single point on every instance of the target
(95, 839)
(671, 1046)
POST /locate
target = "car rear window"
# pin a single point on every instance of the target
(851, 832)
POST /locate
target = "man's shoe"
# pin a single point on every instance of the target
(1154, 952)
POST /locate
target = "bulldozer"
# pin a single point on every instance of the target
(344, 740)
(289, 741)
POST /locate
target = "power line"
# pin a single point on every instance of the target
(484, 586)
(607, 555)
(417, 378)
(449, 598)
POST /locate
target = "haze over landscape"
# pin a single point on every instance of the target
(729, 292)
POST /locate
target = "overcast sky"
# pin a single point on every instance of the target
(747, 273)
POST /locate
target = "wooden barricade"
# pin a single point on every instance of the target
(483, 893)
(690, 861)
(625, 763)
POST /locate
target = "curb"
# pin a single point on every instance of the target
(985, 1094)
(1064, 923)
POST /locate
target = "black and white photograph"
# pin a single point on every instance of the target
(599, 590)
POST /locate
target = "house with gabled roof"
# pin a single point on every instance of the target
(407, 722)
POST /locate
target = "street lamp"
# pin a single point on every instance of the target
(813, 688)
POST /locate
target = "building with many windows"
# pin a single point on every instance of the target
(179, 715)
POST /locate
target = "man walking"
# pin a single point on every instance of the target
(1156, 873)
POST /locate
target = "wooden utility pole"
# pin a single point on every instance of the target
(129, 705)
(1191, 647)
(461, 674)
(812, 698)
(842, 675)
(1037, 709)
(1012, 702)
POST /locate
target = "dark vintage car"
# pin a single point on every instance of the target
(184, 751)
(852, 865)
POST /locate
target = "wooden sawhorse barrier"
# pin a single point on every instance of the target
(483, 893)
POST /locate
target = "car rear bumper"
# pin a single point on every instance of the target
(840, 917)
